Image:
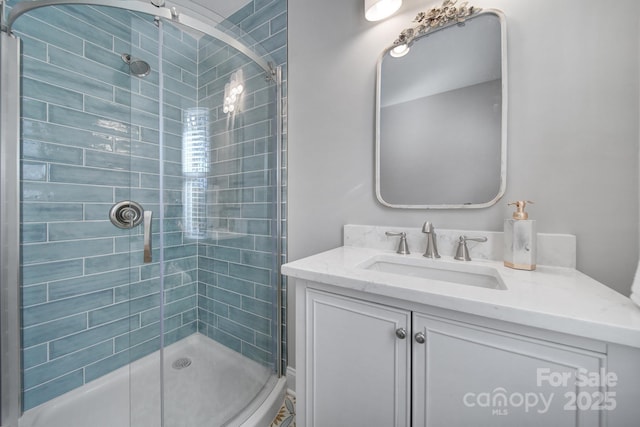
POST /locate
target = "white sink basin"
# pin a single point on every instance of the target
(445, 271)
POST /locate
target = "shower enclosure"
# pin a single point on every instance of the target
(141, 233)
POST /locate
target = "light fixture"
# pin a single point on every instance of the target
(232, 92)
(375, 10)
(399, 51)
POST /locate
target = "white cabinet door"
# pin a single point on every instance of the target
(472, 376)
(357, 367)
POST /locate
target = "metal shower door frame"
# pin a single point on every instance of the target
(10, 300)
(172, 15)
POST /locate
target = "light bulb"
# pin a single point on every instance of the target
(239, 89)
(399, 51)
(375, 10)
(225, 109)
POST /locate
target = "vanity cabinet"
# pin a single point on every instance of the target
(364, 363)
(467, 375)
(358, 363)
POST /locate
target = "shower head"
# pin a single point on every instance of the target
(138, 67)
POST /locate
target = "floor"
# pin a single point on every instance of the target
(203, 379)
(228, 380)
(287, 414)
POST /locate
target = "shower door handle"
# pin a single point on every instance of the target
(147, 237)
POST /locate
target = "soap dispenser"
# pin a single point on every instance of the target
(520, 239)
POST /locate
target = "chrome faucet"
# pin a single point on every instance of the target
(432, 246)
(462, 253)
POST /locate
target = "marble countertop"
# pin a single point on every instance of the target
(554, 298)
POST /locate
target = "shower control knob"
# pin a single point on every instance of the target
(401, 333)
(420, 338)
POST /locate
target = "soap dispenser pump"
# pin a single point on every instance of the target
(520, 239)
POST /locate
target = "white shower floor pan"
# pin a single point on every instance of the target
(219, 388)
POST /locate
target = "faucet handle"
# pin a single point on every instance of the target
(474, 239)
(403, 248)
(462, 253)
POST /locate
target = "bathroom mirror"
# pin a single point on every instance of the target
(441, 116)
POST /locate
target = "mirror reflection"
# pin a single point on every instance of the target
(441, 130)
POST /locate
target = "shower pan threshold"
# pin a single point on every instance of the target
(209, 392)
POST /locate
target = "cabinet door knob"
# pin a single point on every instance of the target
(401, 333)
(420, 338)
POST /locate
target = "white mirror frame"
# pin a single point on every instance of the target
(505, 109)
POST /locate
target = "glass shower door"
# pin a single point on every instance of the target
(221, 320)
(121, 107)
(89, 141)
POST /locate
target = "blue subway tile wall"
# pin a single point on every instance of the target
(90, 138)
(237, 271)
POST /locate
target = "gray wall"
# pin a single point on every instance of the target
(573, 127)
